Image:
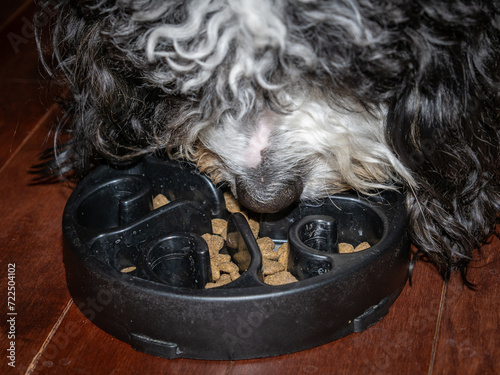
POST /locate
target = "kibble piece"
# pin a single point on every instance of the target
(232, 205)
(242, 259)
(270, 267)
(215, 271)
(219, 226)
(160, 200)
(283, 254)
(345, 248)
(214, 242)
(362, 246)
(128, 269)
(232, 240)
(228, 267)
(221, 258)
(266, 246)
(269, 254)
(254, 226)
(224, 279)
(284, 248)
(283, 260)
(280, 278)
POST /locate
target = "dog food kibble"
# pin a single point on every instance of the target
(232, 205)
(221, 258)
(128, 269)
(214, 242)
(280, 278)
(345, 248)
(254, 226)
(266, 246)
(362, 246)
(229, 267)
(219, 226)
(243, 259)
(160, 200)
(223, 280)
(283, 253)
(274, 262)
(270, 267)
(220, 264)
(215, 271)
(224, 269)
(232, 269)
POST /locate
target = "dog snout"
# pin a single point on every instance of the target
(268, 198)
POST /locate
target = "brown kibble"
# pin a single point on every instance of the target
(215, 271)
(362, 246)
(284, 248)
(221, 258)
(269, 254)
(214, 242)
(219, 226)
(228, 267)
(224, 279)
(242, 259)
(283, 253)
(345, 248)
(160, 200)
(270, 267)
(266, 243)
(280, 278)
(254, 226)
(232, 205)
(266, 246)
(232, 240)
(211, 285)
(128, 269)
(217, 242)
(283, 260)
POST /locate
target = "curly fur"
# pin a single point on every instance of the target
(287, 99)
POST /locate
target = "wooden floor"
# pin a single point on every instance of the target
(433, 328)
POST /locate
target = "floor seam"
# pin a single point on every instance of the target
(49, 337)
(438, 328)
(230, 368)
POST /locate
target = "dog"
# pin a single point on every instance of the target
(287, 100)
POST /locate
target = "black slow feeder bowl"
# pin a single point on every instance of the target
(139, 274)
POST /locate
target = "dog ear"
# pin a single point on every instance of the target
(445, 127)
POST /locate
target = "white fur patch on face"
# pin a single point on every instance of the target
(259, 140)
(344, 148)
(328, 147)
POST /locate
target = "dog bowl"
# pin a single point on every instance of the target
(140, 274)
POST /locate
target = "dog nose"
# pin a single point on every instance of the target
(268, 199)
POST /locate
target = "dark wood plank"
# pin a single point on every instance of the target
(18, 55)
(79, 347)
(400, 343)
(30, 237)
(10, 10)
(470, 331)
(22, 100)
